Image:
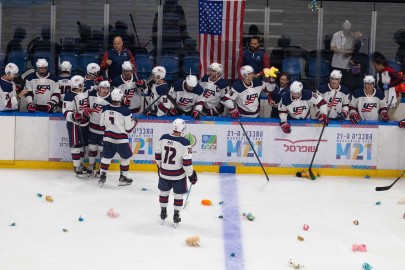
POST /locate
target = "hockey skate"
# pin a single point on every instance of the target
(163, 214)
(124, 181)
(176, 218)
(78, 171)
(90, 170)
(103, 178)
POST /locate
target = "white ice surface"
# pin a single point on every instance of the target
(137, 240)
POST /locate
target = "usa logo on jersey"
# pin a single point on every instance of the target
(208, 93)
(368, 107)
(41, 89)
(299, 110)
(185, 101)
(251, 98)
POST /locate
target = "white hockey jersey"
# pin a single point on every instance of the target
(41, 90)
(341, 101)
(75, 102)
(157, 93)
(118, 123)
(390, 96)
(64, 87)
(130, 91)
(300, 108)
(213, 91)
(247, 97)
(184, 100)
(177, 161)
(368, 107)
(8, 96)
(96, 104)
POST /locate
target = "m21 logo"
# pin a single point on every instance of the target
(243, 148)
(142, 146)
(353, 151)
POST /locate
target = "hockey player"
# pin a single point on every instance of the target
(297, 104)
(368, 103)
(77, 111)
(173, 156)
(98, 99)
(336, 95)
(157, 91)
(118, 124)
(9, 99)
(215, 89)
(246, 93)
(43, 91)
(128, 84)
(92, 78)
(63, 80)
(185, 98)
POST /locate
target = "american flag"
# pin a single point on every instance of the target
(221, 29)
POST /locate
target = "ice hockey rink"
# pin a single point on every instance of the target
(37, 234)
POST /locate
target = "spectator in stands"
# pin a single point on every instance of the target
(9, 99)
(43, 43)
(115, 57)
(286, 50)
(368, 103)
(280, 88)
(356, 74)
(387, 79)
(15, 44)
(255, 57)
(253, 31)
(83, 42)
(342, 45)
(174, 28)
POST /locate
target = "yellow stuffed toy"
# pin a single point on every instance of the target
(270, 72)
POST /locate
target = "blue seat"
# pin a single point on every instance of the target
(73, 58)
(171, 64)
(394, 65)
(20, 59)
(324, 70)
(144, 65)
(293, 67)
(191, 65)
(85, 59)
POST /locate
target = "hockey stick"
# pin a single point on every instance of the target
(188, 194)
(390, 186)
(254, 151)
(311, 174)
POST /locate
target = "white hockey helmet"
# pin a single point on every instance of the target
(246, 70)
(159, 72)
(93, 69)
(104, 84)
(217, 67)
(336, 74)
(41, 63)
(65, 66)
(11, 68)
(179, 125)
(116, 94)
(126, 65)
(191, 81)
(369, 79)
(296, 87)
(77, 81)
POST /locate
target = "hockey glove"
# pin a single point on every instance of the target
(384, 115)
(401, 123)
(127, 101)
(323, 119)
(342, 115)
(141, 84)
(196, 115)
(193, 178)
(87, 112)
(234, 112)
(286, 127)
(76, 117)
(386, 87)
(98, 79)
(172, 112)
(50, 106)
(31, 107)
(354, 118)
